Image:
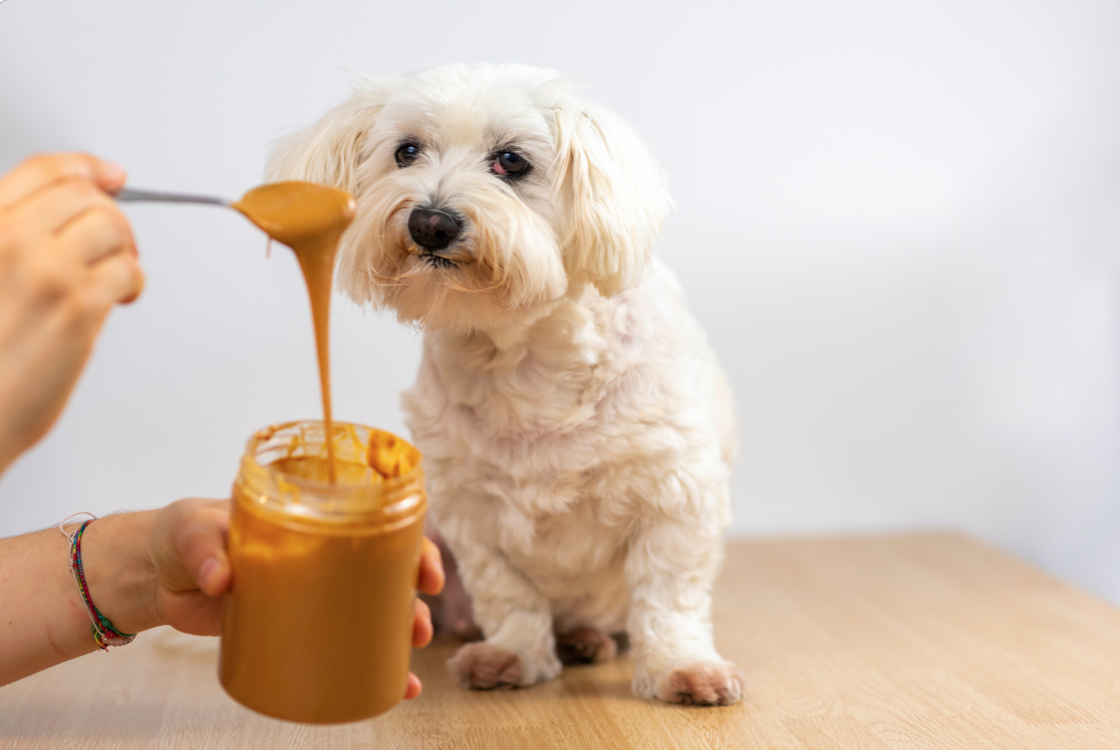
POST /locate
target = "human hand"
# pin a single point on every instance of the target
(187, 547)
(67, 256)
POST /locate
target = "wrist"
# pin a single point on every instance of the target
(119, 572)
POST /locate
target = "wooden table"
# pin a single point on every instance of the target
(916, 641)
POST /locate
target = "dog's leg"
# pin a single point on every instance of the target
(451, 608)
(519, 649)
(585, 645)
(670, 569)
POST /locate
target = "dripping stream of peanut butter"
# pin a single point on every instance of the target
(310, 219)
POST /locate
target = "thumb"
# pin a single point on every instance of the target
(200, 540)
(109, 177)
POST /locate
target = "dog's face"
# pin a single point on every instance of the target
(484, 193)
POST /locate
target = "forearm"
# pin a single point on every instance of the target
(43, 620)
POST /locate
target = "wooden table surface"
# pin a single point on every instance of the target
(914, 641)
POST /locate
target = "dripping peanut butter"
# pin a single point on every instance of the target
(310, 219)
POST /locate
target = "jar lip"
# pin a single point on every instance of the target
(392, 495)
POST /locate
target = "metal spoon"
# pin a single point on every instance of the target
(265, 206)
(130, 195)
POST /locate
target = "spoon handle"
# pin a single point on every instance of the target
(131, 194)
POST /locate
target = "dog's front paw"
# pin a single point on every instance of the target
(486, 666)
(704, 683)
(480, 666)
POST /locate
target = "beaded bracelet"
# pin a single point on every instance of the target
(104, 634)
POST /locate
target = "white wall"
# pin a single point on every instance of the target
(900, 223)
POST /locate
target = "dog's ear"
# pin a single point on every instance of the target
(330, 151)
(611, 194)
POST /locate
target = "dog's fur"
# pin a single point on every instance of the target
(576, 427)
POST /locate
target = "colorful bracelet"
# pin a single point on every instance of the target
(104, 634)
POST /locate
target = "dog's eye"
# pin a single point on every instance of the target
(406, 154)
(510, 164)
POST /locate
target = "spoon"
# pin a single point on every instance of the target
(288, 212)
(130, 195)
(134, 195)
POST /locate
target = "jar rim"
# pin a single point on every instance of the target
(311, 498)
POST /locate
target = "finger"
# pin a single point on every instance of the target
(432, 577)
(96, 233)
(414, 687)
(48, 210)
(200, 540)
(39, 171)
(225, 505)
(117, 280)
(421, 625)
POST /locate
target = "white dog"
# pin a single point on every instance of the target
(576, 428)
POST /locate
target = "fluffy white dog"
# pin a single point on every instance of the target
(576, 427)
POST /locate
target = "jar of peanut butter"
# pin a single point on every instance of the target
(318, 625)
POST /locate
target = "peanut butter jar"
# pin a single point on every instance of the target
(318, 625)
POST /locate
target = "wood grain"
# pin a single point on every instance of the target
(915, 641)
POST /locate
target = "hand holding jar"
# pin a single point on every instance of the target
(157, 567)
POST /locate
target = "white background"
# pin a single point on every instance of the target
(899, 222)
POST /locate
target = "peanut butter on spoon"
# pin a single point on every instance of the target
(310, 219)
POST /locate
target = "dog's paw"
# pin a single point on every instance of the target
(480, 666)
(705, 683)
(487, 666)
(585, 646)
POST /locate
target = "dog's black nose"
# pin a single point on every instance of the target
(432, 229)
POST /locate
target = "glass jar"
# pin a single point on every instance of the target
(318, 625)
